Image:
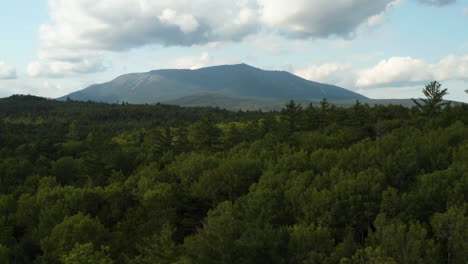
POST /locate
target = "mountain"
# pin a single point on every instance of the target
(237, 83)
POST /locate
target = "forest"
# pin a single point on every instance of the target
(84, 182)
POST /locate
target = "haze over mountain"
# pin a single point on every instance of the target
(237, 82)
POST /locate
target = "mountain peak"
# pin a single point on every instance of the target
(243, 65)
(238, 66)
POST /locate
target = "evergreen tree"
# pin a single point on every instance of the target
(434, 98)
(324, 113)
(292, 116)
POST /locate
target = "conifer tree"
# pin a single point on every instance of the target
(292, 115)
(434, 98)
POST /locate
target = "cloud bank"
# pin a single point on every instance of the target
(390, 72)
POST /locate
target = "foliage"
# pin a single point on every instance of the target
(86, 254)
(83, 182)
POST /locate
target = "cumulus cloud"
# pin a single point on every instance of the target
(90, 27)
(61, 68)
(400, 71)
(331, 73)
(451, 67)
(395, 70)
(124, 24)
(438, 2)
(318, 18)
(6, 71)
(390, 72)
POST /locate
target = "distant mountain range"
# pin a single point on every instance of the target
(229, 86)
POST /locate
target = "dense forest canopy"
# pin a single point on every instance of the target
(84, 182)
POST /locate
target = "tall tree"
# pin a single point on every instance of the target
(292, 115)
(324, 113)
(434, 98)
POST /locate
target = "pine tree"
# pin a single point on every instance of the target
(434, 98)
(292, 115)
(324, 113)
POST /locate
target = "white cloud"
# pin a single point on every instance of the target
(318, 18)
(330, 73)
(391, 72)
(6, 71)
(451, 68)
(400, 71)
(61, 68)
(194, 62)
(394, 70)
(123, 24)
(83, 29)
(465, 11)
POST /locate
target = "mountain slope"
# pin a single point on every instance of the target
(240, 81)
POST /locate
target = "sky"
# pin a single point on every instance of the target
(379, 48)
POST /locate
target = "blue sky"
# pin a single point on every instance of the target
(380, 48)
